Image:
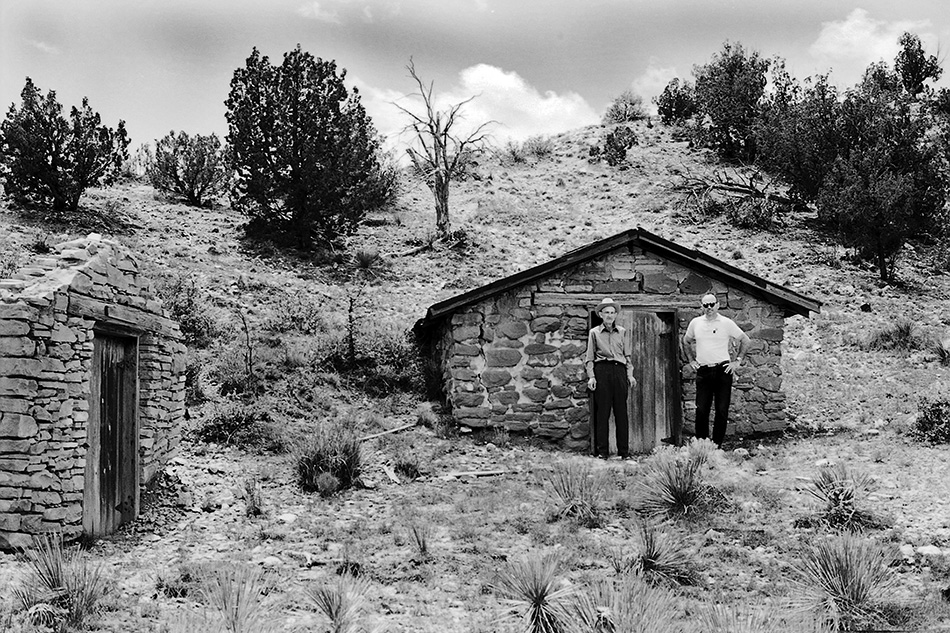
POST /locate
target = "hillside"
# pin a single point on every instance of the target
(847, 405)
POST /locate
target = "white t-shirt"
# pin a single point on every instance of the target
(712, 338)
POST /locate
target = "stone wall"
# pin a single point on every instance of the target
(517, 360)
(47, 315)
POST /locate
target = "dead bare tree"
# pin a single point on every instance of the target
(440, 155)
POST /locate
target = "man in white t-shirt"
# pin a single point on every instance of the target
(707, 346)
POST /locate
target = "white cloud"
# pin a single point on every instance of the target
(43, 47)
(518, 109)
(652, 82)
(850, 45)
(315, 11)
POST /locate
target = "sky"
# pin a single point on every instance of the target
(534, 67)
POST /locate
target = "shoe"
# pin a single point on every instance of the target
(603, 457)
(625, 458)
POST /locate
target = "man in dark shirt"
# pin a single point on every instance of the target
(609, 376)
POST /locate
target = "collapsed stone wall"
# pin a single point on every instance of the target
(48, 313)
(516, 360)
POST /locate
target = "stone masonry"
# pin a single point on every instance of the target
(516, 360)
(47, 315)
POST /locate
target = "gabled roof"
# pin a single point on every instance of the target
(793, 302)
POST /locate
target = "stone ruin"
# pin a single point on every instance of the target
(91, 391)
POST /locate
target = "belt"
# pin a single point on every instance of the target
(611, 362)
(719, 364)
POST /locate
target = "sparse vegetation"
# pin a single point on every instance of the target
(333, 449)
(662, 557)
(535, 595)
(933, 419)
(672, 485)
(626, 108)
(903, 336)
(578, 492)
(841, 492)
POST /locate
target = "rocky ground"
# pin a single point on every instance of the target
(846, 405)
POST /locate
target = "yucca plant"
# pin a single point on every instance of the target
(237, 595)
(343, 603)
(672, 485)
(844, 579)
(628, 605)
(420, 534)
(62, 587)
(662, 557)
(578, 492)
(536, 595)
(840, 490)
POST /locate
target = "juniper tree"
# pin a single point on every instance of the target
(48, 159)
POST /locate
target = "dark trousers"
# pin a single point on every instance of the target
(611, 393)
(713, 383)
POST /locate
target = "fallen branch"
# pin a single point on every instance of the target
(746, 187)
(474, 473)
(411, 251)
(391, 474)
(380, 434)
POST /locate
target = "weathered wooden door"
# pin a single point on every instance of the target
(110, 496)
(653, 405)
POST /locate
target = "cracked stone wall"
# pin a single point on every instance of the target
(47, 315)
(516, 360)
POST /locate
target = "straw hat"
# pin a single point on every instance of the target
(607, 302)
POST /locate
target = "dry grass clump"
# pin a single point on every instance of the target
(628, 605)
(536, 595)
(760, 618)
(846, 580)
(933, 419)
(249, 426)
(578, 492)
(840, 490)
(333, 450)
(903, 335)
(62, 588)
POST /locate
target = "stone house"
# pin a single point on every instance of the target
(511, 353)
(91, 391)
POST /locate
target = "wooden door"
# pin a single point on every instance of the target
(653, 405)
(110, 495)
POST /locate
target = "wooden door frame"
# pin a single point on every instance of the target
(92, 486)
(674, 368)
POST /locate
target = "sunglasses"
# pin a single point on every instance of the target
(709, 305)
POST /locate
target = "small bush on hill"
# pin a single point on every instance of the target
(247, 426)
(539, 146)
(752, 213)
(513, 153)
(933, 419)
(616, 145)
(676, 103)
(381, 360)
(191, 307)
(626, 108)
(333, 449)
(49, 160)
(191, 167)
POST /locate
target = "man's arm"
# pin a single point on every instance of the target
(689, 348)
(744, 344)
(589, 360)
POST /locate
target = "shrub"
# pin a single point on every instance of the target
(940, 347)
(513, 153)
(616, 145)
(578, 492)
(49, 160)
(752, 213)
(628, 606)
(676, 103)
(191, 167)
(539, 146)
(62, 588)
(382, 359)
(191, 307)
(846, 579)
(247, 426)
(933, 419)
(626, 108)
(333, 449)
(902, 335)
(306, 155)
(672, 485)
(662, 558)
(840, 491)
(535, 595)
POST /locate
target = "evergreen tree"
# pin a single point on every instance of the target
(192, 167)
(50, 160)
(677, 102)
(304, 151)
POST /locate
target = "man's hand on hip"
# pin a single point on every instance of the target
(592, 384)
(732, 367)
